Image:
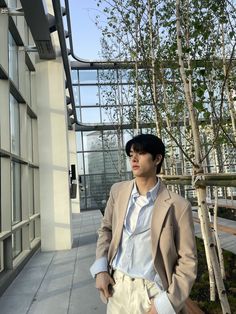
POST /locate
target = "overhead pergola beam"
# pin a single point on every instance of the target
(37, 21)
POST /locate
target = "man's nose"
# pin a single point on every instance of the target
(134, 157)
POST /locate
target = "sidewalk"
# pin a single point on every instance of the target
(59, 282)
(227, 240)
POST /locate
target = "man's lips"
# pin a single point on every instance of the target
(134, 167)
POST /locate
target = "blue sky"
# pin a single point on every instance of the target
(86, 36)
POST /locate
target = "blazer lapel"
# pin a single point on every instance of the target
(122, 204)
(160, 209)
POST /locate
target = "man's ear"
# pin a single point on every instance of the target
(158, 159)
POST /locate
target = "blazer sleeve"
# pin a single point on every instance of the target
(185, 271)
(105, 231)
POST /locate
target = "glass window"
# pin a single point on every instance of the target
(79, 141)
(111, 179)
(109, 95)
(94, 162)
(109, 114)
(90, 115)
(96, 190)
(88, 77)
(16, 243)
(32, 230)
(126, 76)
(15, 126)
(112, 161)
(13, 60)
(16, 192)
(110, 140)
(74, 76)
(31, 191)
(107, 76)
(92, 140)
(30, 139)
(89, 96)
(78, 114)
(80, 163)
(28, 85)
(82, 202)
(76, 95)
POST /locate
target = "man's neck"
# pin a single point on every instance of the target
(145, 184)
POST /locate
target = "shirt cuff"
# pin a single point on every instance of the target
(163, 304)
(98, 266)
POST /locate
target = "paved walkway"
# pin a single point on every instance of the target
(227, 240)
(60, 282)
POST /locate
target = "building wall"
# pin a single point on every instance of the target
(36, 150)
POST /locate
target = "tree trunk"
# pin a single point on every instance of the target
(198, 172)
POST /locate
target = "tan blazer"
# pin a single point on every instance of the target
(172, 236)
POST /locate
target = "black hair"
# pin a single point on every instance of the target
(147, 143)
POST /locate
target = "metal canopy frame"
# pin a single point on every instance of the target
(35, 15)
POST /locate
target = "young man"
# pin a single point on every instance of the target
(146, 256)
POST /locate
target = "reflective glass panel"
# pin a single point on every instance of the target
(32, 230)
(15, 126)
(89, 96)
(107, 76)
(90, 115)
(16, 243)
(16, 192)
(80, 163)
(30, 139)
(13, 60)
(76, 95)
(88, 76)
(79, 141)
(92, 140)
(94, 162)
(74, 76)
(31, 191)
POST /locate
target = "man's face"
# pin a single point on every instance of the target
(142, 164)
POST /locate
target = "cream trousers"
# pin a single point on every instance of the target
(131, 295)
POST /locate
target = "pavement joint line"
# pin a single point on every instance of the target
(34, 296)
(72, 281)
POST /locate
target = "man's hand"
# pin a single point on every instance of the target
(104, 282)
(152, 309)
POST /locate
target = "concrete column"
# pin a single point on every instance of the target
(56, 230)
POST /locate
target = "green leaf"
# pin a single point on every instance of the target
(199, 106)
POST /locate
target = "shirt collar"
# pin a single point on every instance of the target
(150, 194)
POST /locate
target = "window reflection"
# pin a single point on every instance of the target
(16, 243)
(13, 60)
(94, 162)
(16, 192)
(101, 156)
(31, 191)
(89, 96)
(88, 77)
(90, 115)
(15, 126)
(30, 139)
